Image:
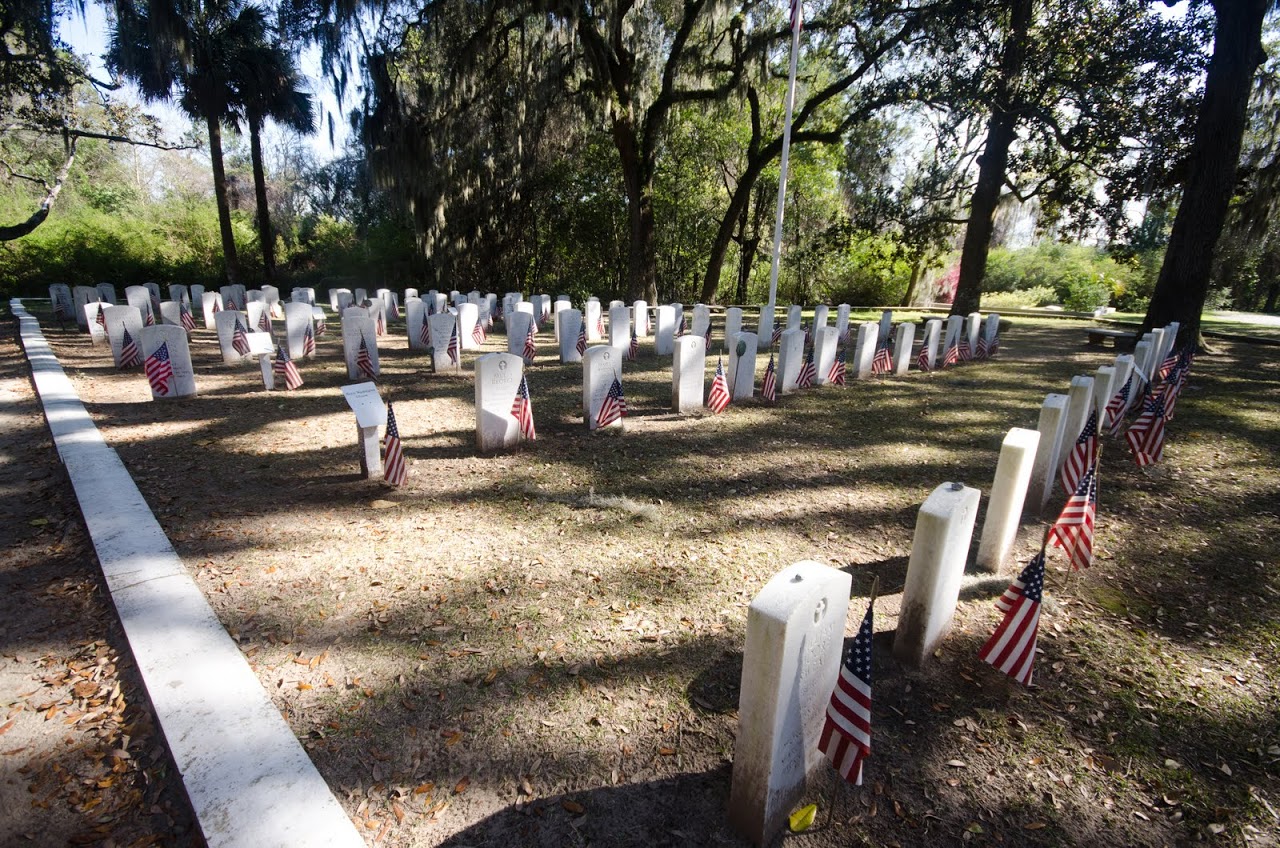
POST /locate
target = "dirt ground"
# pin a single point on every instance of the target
(543, 647)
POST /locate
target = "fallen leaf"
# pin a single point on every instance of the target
(573, 807)
(381, 504)
(802, 819)
(957, 763)
(38, 522)
(4, 728)
(462, 786)
(1035, 825)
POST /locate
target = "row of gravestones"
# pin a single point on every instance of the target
(796, 625)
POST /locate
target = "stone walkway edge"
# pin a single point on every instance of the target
(248, 778)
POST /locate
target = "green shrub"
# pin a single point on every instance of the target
(1024, 299)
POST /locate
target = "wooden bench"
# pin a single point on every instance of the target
(1119, 338)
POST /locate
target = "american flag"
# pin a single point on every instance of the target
(240, 339)
(993, 346)
(614, 406)
(320, 326)
(478, 334)
(1114, 413)
(680, 327)
(808, 372)
(633, 349)
(522, 411)
(1012, 648)
(308, 341)
(582, 338)
(217, 307)
(155, 308)
(129, 353)
(454, 348)
(718, 397)
(1166, 367)
(922, 361)
(431, 306)
(393, 467)
(777, 335)
(1082, 455)
(530, 346)
(599, 325)
(951, 356)
(59, 308)
(1073, 531)
(882, 363)
(1146, 435)
(488, 315)
(284, 368)
(1178, 381)
(836, 375)
(846, 733)
(364, 362)
(149, 320)
(185, 316)
(102, 316)
(965, 354)
(380, 322)
(424, 331)
(706, 338)
(984, 351)
(769, 387)
(159, 369)
(264, 322)
(797, 15)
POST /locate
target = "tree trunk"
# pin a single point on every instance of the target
(1273, 292)
(224, 207)
(747, 247)
(17, 231)
(265, 234)
(637, 179)
(917, 270)
(992, 164)
(1183, 284)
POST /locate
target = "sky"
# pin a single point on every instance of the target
(87, 35)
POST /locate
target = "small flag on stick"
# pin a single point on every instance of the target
(1073, 531)
(846, 734)
(159, 369)
(614, 406)
(364, 362)
(769, 387)
(130, 356)
(240, 339)
(284, 368)
(522, 411)
(394, 470)
(718, 397)
(1012, 648)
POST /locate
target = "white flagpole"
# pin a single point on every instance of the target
(786, 152)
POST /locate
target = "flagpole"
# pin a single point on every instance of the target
(786, 153)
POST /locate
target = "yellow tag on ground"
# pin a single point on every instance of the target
(802, 819)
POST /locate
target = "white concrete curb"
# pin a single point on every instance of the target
(248, 778)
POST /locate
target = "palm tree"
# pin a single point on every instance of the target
(269, 86)
(191, 51)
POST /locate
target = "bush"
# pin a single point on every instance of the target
(1024, 299)
(1082, 278)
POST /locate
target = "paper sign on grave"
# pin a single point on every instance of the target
(371, 413)
(795, 638)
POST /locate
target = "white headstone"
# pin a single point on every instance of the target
(225, 323)
(297, 320)
(140, 299)
(271, 295)
(640, 319)
(1008, 494)
(195, 300)
(679, 308)
(361, 295)
(255, 296)
(443, 325)
(355, 328)
(210, 305)
(415, 316)
(107, 292)
(518, 331)
(97, 332)
(902, 348)
(80, 296)
(688, 372)
(1079, 405)
(932, 334)
(864, 351)
(664, 338)
(732, 325)
(569, 322)
(468, 315)
(795, 639)
(1124, 370)
(345, 301)
(619, 328)
(153, 290)
(1053, 420)
(955, 326)
(600, 365)
(171, 313)
(821, 312)
(701, 319)
(824, 353)
(764, 327)
(790, 359)
(973, 325)
(614, 304)
(992, 328)
(1103, 388)
(231, 298)
(410, 292)
(259, 317)
(742, 366)
(592, 317)
(174, 339)
(179, 293)
(793, 316)
(497, 381)
(939, 551)
(842, 320)
(119, 319)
